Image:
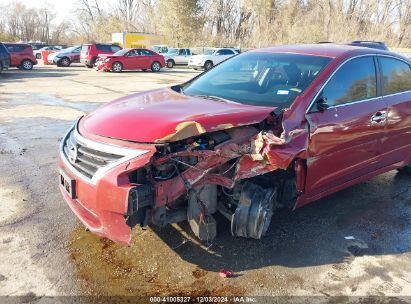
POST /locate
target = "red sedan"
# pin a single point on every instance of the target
(267, 129)
(132, 59)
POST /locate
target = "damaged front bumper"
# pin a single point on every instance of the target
(94, 182)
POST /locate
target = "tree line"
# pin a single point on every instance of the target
(245, 23)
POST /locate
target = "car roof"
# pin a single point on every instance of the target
(331, 50)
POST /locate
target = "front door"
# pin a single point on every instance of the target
(345, 138)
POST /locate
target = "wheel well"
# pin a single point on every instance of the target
(290, 182)
(171, 59)
(26, 59)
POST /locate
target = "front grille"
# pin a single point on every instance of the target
(85, 159)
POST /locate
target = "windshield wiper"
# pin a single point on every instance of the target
(211, 97)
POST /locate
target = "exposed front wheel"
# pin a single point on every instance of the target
(38, 56)
(208, 65)
(170, 64)
(26, 65)
(117, 67)
(252, 216)
(155, 67)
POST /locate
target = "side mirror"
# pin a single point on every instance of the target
(321, 103)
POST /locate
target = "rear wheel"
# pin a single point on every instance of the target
(208, 65)
(26, 65)
(170, 63)
(38, 56)
(65, 62)
(155, 66)
(117, 67)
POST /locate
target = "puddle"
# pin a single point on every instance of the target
(147, 267)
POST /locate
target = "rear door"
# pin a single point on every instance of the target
(345, 139)
(85, 51)
(396, 89)
(145, 59)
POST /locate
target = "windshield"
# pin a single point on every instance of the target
(209, 52)
(262, 79)
(121, 52)
(172, 51)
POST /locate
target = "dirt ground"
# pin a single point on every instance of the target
(354, 243)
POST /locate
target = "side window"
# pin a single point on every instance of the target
(10, 48)
(229, 52)
(146, 53)
(132, 53)
(355, 80)
(396, 76)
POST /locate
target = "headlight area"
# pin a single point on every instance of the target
(164, 186)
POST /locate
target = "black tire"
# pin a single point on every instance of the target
(170, 63)
(65, 62)
(92, 62)
(155, 66)
(38, 56)
(406, 169)
(208, 65)
(26, 65)
(117, 67)
(1, 68)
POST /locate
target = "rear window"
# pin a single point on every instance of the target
(107, 48)
(85, 48)
(115, 48)
(396, 76)
(146, 52)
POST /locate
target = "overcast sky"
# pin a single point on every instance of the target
(62, 8)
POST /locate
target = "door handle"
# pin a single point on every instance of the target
(379, 118)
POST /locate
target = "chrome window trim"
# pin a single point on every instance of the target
(362, 100)
(127, 152)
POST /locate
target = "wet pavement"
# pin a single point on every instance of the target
(354, 243)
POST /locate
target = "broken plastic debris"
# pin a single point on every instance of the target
(349, 237)
(225, 273)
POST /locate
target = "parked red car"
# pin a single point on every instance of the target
(21, 55)
(270, 128)
(132, 59)
(90, 52)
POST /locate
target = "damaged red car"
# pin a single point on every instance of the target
(271, 128)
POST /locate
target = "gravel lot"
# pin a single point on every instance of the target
(45, 251)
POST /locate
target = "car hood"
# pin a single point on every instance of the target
(164, 115)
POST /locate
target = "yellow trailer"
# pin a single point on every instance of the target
(137, 39)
